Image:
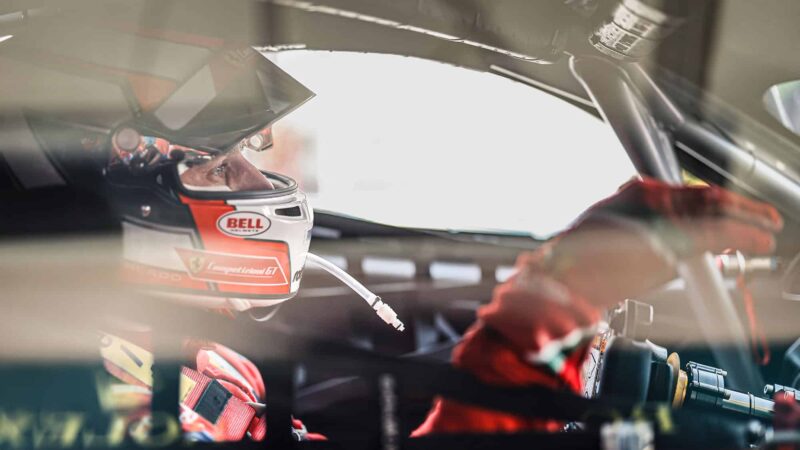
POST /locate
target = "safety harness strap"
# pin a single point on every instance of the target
(218, 413)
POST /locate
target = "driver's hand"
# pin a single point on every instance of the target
(629, 242)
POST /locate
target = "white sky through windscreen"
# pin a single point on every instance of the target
(412, 142)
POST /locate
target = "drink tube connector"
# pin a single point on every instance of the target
(706, 387)
(383, 310)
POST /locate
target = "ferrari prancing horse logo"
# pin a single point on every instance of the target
(233, 269)
(196, 264)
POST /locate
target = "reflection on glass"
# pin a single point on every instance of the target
(783, 102)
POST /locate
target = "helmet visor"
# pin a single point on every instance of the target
(201, 171)
(254, 94)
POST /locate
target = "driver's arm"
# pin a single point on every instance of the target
(539, 324)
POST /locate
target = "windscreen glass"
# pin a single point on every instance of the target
(447, 148)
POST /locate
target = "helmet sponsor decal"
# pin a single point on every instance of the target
(133, 272)
(233, 269)
(243, 223)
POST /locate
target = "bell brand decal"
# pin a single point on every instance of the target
(243, 223)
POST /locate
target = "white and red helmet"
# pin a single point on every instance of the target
(208, 227)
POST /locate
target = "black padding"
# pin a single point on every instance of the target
(626, 370)
(662, 383)
(55, 211)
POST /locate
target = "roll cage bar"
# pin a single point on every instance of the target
(651, 127)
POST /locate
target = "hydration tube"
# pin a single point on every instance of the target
(383, 310)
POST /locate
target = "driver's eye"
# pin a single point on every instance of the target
(219, 171)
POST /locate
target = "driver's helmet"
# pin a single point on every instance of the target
(208, 226)
(169, 137)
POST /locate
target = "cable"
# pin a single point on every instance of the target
(383, 310)
(266, 317)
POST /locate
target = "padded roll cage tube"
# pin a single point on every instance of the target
(641, 121)
(720, 155)
(752, 173)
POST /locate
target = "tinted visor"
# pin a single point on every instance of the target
(238, 93)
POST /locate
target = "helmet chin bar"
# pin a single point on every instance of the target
(383, 310)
